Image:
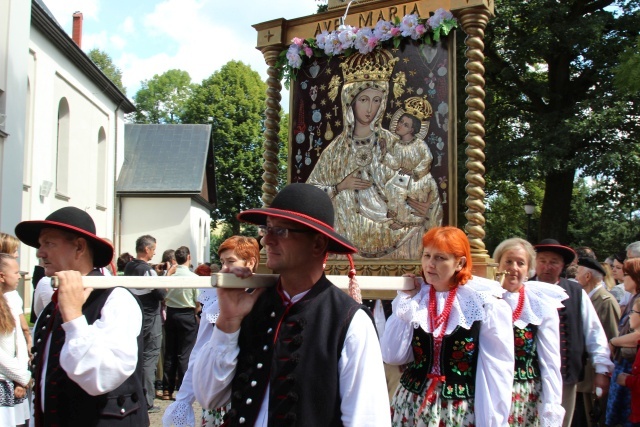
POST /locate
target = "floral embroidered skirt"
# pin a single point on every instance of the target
(405, 406)
(213, 417)
(524, 404)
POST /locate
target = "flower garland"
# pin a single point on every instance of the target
(348, 39)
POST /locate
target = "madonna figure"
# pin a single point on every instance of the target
(351, 170)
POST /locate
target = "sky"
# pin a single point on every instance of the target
(148, 37)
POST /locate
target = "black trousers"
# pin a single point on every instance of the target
(181, 330)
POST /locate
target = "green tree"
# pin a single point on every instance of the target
(627, 73)
(601, 223)
(283, 154)
(552, 109)
(233, 101)
(106, 65)
(162, 98)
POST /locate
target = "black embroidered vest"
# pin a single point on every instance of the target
(66, 404)
(301, 367)
(572, 348)
(526, 353)
(458, 361)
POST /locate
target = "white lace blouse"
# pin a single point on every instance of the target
(541, 304)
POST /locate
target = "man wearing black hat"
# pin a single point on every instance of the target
(581, 333)
(87, 350)
(590, 275)
(302, 352)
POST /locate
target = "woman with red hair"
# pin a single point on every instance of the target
(454, 335)
(236, 251)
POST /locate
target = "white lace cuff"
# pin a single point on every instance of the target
(550, 414)
(179, 414)
(210, 308)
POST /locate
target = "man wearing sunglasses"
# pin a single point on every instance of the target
(300, 353)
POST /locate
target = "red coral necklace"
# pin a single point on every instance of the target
(518, 311)
(435, 319)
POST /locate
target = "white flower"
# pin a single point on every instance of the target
(439, 16)
(382, 31)
(408, 25)
(332, 44)
(347, 36)
(293, 56)
(321, 39)
(363, 37)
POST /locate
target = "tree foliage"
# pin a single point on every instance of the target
(604, 224)
(162, 98)
(627, 73)
(552, 109)
(233, 101)
(106, 65)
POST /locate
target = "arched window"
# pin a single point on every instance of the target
(101, 169)
(62, 153)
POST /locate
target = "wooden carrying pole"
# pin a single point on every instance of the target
(370, 286)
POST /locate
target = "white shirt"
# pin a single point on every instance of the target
(363, 388)
(101, 356)
(42, 295)
(494, 371)
(180, 412)
(15, 302)
(595, 339)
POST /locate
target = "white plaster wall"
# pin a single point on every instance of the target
(51, 77)
(200, 235)
(15, 16)
(173, 221)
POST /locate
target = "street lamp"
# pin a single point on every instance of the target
(529, 209)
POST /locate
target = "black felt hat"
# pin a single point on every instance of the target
(307, 205)
(72, 220)
(591, 263)
(552, 245)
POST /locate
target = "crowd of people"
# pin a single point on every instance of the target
(552, 343)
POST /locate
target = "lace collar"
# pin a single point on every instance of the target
(541, 301)
(468, 307)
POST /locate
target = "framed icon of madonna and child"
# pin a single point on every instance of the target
(376, 132)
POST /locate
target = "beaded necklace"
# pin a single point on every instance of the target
(518, 311)
(435, 321)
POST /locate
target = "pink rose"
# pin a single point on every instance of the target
(307, 51)
(297, 41)
(395, 31)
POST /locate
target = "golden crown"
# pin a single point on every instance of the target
(419, 107)
(377, 65)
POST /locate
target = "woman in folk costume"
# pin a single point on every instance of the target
(537, 383)
(454, 334)
(236, 251)
(350, 169)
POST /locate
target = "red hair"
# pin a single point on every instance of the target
(452, 241)
(244, 247)
(632, 268)
(203, 270)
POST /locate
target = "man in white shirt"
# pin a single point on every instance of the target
(302, 352)
(87, 342)
(580, 328)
